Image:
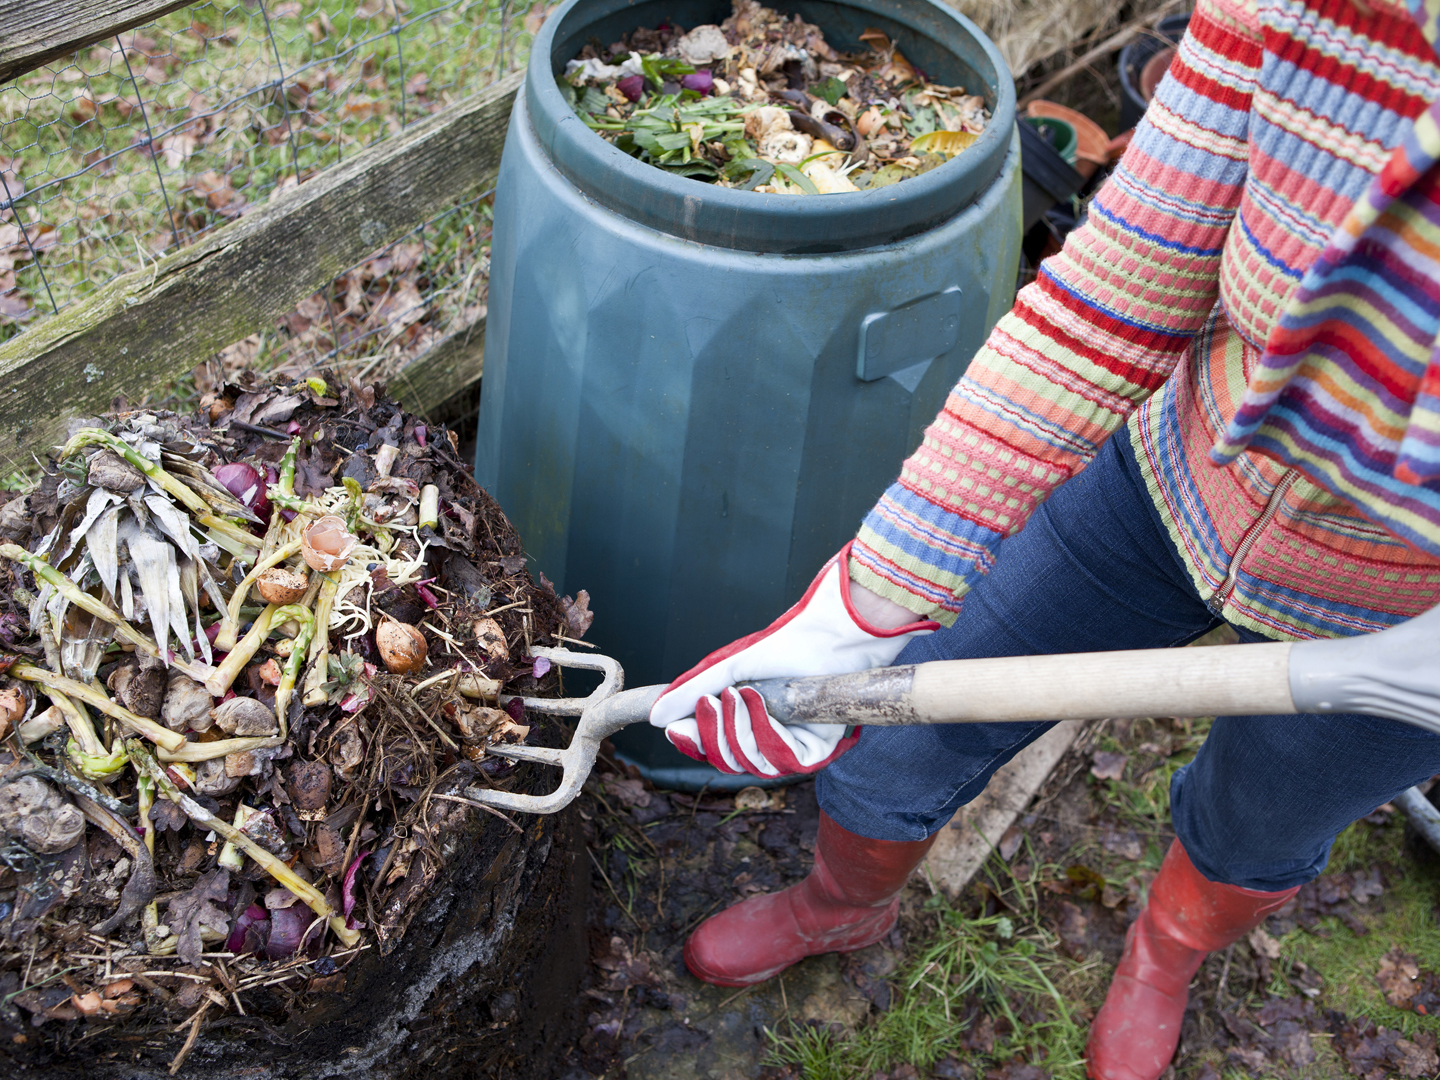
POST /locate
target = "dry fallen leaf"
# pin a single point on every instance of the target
(1396, 977)
(1010, 842)
(1264, 944)
(1074, 930)
(751, 798)
(178, 148)
(578, 615)
(1108, 765)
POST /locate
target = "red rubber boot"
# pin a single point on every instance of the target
(850, 899)
(1137, 1029)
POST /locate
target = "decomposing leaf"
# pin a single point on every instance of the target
(1376, 1053)
(165, 815)
(629, 792)
(1125, 844)
(763, 103)
(199, 910)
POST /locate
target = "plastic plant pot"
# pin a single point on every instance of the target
(1048, 178)
(1058, 134)
(1133, 59)
(1091, 142)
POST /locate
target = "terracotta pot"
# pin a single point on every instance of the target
(1091, 148)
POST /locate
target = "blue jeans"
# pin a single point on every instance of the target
(1093, 570)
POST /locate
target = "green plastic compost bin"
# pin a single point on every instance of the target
(692, 394)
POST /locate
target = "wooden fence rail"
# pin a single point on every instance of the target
(154, 324)
(34, 32)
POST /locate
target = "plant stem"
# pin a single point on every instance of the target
(357, 503)
(429, 506)
(230, 856)
(282, 494)
(276, 868)
(287, 467)
(218, 526)
(230, 623)
(156, 733)
(79, 724)
(43, 571)
(193, 753)
(249, 645)
(320, 643)
(145, 795)
(222, 676)
(301, 646)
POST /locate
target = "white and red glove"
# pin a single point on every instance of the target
(706, 718)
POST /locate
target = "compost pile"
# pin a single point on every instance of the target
(762, 103)
(252, 659)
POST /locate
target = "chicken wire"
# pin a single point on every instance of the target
(141, 144)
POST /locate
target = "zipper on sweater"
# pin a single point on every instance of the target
(1221, 595)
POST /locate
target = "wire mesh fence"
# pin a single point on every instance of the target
(143, 143)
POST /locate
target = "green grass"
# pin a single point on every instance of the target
(99, 201)
(1142, 796)
(1009, 965)
(1006, 965)
(1404, 916)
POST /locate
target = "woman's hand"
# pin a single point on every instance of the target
(837, 627)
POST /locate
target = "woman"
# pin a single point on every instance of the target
(1272, 426)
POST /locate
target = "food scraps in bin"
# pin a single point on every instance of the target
(238, 671)
(762, 103)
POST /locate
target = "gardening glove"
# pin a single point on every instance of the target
(705, 717)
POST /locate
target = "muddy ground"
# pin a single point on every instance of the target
(1341, 983)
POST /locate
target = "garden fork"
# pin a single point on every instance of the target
(1394, 673)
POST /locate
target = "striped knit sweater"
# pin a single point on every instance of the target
(1272, 121)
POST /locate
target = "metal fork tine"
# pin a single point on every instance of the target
(541, 754)
(602, 714)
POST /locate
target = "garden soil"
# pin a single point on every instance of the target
(1085, 851)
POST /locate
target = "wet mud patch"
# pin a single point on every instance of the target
(664, 862)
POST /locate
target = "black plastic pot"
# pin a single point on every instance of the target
(1048, 177)
(1133, 58)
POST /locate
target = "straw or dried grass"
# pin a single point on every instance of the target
(1030, 31)
(1033, 33)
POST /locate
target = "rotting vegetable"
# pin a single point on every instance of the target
(763, 103)
(243, 669)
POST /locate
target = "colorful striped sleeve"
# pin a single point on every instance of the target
(1099, 331)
